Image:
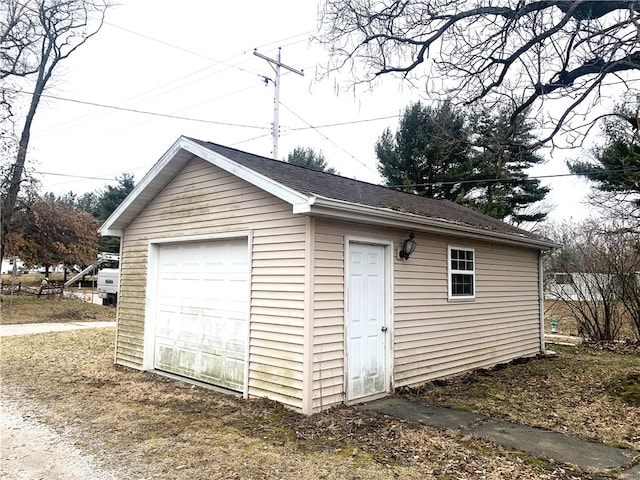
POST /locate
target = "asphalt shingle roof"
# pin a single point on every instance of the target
(311, 182)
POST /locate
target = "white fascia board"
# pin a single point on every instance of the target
(110, 232)
(390, 218)
(287, 194)
(157, 178)
(107, 227)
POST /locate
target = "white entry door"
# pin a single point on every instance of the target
(202, 311)
(366, 323)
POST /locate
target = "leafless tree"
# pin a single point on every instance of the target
(596, 276)
(18, 39)
(36, 35)
(625, 207)
(515, 52)
(613, 166)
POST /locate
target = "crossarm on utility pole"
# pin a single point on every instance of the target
(276, 64)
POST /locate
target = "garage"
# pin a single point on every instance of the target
(201, 303)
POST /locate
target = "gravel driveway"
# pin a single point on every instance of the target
(32, 451)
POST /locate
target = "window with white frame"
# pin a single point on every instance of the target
(462, 276)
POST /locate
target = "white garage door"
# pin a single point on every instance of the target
(202, 311)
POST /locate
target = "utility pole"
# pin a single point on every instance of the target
(276, 64)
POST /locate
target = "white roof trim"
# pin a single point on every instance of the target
(162, 173)
(329, 207)
(267, 184)
(185, 149)
(107, 227)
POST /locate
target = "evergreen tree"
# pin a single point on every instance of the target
(88, 202)
(504, 151)
(308, 158)
(429, 154)
(442, 153)
(615, 169)
(104, 203)
(112, 197)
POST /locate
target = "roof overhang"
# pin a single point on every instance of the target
(175, 159)
(185, 150)
(328, 207)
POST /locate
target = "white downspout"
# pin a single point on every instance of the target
(541, 300)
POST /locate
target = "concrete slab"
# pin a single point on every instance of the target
(631, 474)
(532, 441)
(35, 328)
(562, 448)
(558, 339)
(431, 416)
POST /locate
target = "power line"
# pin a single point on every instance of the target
(133, 110)
(199, 104)
(342, 124)
(221, 62)
(139, 99)
(249, 140)
(162, 42)
(509, 179)
(109, 177)
(493, 180)
(328, 139)
(184, 77)
(81, 177)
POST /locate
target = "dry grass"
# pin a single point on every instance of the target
(32, 278)
(584, 391)
(567, 324)
(160, 428)
(29, 309)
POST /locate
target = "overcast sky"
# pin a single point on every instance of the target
(194, 59)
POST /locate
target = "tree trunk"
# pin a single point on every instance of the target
(17, 169)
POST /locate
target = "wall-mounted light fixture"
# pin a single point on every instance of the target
(408, 247)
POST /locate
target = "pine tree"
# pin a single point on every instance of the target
(615, 169)
(106, 203)
(440, 152)
(502, 155)
(429, 153)
(308, 158)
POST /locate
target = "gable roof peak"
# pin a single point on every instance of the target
(316, 192)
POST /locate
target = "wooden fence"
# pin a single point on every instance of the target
(50, 290)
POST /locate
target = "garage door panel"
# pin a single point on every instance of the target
(211, 370)
(176, 360)
(215, 367)
(202, 311)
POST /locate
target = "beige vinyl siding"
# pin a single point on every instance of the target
(328, 317)
(131, 301)
(437, 337)
(329, 308)
(205, 200)
(433, 336)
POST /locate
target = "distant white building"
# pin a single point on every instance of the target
(7, 265)
(582, 286)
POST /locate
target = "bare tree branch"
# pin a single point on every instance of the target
(44, 33)
(522, 53)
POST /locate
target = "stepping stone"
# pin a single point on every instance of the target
(562, 448)
(432, 416)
